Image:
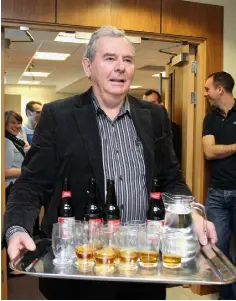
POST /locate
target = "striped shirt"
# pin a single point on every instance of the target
(123, 161)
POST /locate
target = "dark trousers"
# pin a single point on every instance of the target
(61, 289)
(221, 210)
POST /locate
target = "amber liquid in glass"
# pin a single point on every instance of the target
(171, 261)
(148, 258)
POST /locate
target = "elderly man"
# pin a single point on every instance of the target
(103, 133)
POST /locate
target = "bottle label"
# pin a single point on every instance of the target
(114, 223)
(66, 194)
(66, 224)
(95, 221)
(94, 224)
(65, 219)
(155, 195)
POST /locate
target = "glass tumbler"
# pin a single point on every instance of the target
(62, 243)
(128, 248)
(148, 247)
(172, 249)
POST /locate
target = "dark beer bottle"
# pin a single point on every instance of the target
(65, 211)
(111, 210)
(156, 209)
(92, 212)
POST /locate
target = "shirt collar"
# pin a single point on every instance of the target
(125, 109)
(218, 111)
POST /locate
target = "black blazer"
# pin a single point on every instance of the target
(66, 141)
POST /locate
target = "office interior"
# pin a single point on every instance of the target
(154, 70)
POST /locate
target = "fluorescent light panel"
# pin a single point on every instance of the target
(36, 74)
(134, 40)
(70, 38)
(53, 56)
(158, 74)
(135, 87)
(28, 82)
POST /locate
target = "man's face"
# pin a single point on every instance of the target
(153, 98)
(212, 93)
(35, 115)
(112, 70)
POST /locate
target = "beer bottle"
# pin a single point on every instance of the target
(156, 209)
(65, 212)
(111, 210)
(92, 212)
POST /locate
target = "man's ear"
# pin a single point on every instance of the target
(87, 66)
(221, 90)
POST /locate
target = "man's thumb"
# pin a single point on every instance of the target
(29, 244)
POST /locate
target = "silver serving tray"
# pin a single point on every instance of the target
(209, 267)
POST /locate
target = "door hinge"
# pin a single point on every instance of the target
(193, 98)
(194, 67)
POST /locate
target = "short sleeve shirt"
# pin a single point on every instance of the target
(223, 128)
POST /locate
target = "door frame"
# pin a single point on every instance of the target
(199, 183)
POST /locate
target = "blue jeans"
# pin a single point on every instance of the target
(221, 210)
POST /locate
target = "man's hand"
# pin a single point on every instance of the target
(210, 230)
(19, 241)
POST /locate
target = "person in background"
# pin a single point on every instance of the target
(155, 97)
(102, 133)
(14, 156)
(33, 111)
(14, 149)
(219, 145)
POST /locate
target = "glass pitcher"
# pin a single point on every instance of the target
(178, 217)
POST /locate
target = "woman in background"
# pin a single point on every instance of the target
(14, 149)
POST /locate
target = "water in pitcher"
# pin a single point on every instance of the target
(179, 218)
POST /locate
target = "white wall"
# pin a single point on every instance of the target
(28, 93)
(229, 50)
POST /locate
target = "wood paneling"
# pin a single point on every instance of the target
(138, 15)
(3, 252)
(28, 10)
(84, 12)
(199, 20)
(189, 18)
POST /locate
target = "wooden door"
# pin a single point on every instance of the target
(3, 252)
(181, 85)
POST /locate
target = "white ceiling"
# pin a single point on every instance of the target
(68, 76)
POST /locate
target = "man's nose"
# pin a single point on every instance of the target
(120, 66)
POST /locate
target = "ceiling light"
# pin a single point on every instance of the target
(69, 38)
(83, 35)
(158, 74)
(28, 82)
(134, 40)
(135, 87)
(36, 74)
(54, 56)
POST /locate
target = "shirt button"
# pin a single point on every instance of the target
(117, 151)
(120, 178)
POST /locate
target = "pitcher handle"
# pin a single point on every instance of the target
(201, 208)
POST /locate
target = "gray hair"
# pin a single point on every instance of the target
(104, 31)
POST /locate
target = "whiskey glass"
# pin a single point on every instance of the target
(148, 247)
(128, 248)
(107, 252)
(62, 243)
(172, 243)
